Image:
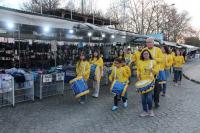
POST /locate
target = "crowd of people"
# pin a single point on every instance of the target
(153, 65)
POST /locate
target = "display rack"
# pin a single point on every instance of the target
(49, 85)
(24, 91)
(6, 91)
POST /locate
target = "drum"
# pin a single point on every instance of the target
(92, 71)
(144, 86)
(79, 86)
(119, 88)
(161, 77)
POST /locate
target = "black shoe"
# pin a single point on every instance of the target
(163, 95)
(157, 105)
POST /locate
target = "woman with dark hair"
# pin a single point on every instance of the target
(166, 65)
(97, 62)
(83, 69)
(146, 70)
(121, 54)
(178, 66)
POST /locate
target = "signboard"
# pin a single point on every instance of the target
(59, 76)
(47, 78)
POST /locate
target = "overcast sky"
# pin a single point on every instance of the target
(192, 6)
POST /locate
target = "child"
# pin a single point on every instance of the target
(98, 61)
(147, 68)
(178, 66)
(119, 73)
(83, 69)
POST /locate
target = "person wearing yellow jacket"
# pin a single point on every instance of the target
(121, 54)
(136, 56)
(120, 74)
(166, 65)
(128, 57)
(97, 61)
(178, 63)
(83, 69)
(145, 71)
(157, 55)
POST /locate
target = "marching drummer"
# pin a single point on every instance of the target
(83, 69)
(146, 71)
(157, 55)
(119, 73)
(98, 62)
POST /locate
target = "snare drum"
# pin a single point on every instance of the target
(144, 86)
(119, 88)
(79, 86)
(161, 77)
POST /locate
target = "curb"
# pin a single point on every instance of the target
(188, 78)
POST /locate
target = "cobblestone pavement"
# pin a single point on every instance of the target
(179, 113)
(192, 68)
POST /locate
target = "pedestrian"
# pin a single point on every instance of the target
(83, 69)
(167, 63)
(157, 55)
(146, 71)
(178, 67)
(128, 57)
(97, 62)
(121, 54)
(119, 74)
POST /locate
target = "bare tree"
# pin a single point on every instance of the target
(40, 5)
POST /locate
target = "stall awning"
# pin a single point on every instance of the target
(189, 47)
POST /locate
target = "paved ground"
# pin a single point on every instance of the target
(191, 69)
(179, 113)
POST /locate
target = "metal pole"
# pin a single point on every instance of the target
(19, 32)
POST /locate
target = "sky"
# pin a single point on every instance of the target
(192, 6)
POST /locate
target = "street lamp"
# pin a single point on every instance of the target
(71, 31)
(112, 36)
(103, 35)
(89, 35)
(10, 26)
(46, 29)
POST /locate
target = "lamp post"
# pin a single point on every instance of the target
(89, 35)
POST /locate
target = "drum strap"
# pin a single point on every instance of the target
(115, 74)
(151, 67)
(154, 52)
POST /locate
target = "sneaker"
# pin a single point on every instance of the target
(144, 114)
(151, 113)
(157, 105)
(82, 102)
(176, 84)
(94, 96)
(126, 104)
(114, 108)
(163, 95)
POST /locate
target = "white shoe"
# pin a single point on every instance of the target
(126, 104)
(151, 113)
(95, 95)
(144, 114)
(114, 108)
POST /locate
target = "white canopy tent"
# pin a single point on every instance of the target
(189, 47)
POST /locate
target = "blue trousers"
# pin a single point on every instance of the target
(147, 101)
(177, 75)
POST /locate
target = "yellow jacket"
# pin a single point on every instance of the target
(83, 69)
(99, 69)
(178, 61)
(144, 69)
(136, 57)
(127, 72)
(166, 62)
(170, 58)
(119, 74)
(128, 57)
(157, 55)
